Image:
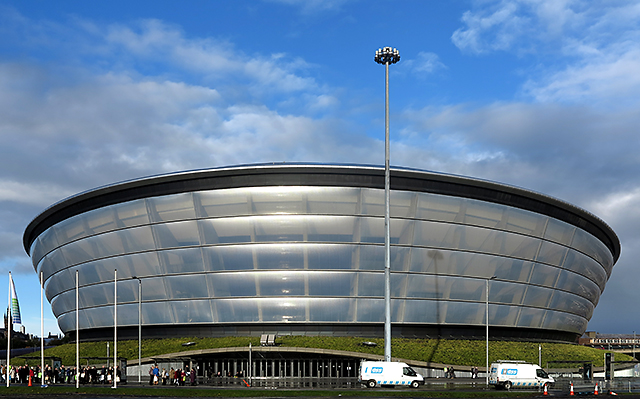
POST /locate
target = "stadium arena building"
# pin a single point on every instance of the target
(299, 249)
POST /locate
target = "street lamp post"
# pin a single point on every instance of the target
(115, 328)
(486, 372)
(139, 328)
(387, 56)
(634, 345)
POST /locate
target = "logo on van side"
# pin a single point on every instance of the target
(509, 371)
(376, 370)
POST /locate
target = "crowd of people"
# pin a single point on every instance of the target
(59, 375)
(178, 377)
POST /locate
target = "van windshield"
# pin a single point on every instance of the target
(408, 371)
(541, 373)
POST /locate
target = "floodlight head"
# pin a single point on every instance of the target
(387, 55)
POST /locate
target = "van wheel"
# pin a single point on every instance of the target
(371, 383)
(507, 385)
(415, 384)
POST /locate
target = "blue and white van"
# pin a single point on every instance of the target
(388, 373)
(509, 374)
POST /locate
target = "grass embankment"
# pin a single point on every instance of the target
(453, 352)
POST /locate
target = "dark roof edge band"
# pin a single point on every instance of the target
(321, 175)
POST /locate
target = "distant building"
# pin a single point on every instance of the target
(299, 249)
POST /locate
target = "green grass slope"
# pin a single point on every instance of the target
(454, 352)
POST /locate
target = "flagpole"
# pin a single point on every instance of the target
(8, 330)
(115, 327)
(77, 334)
(42, 327)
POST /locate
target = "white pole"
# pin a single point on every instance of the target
(9, 330)
(387, 249)
(115, 326)
(250, 383)
(487, 330)
(139, 331)
(77, 334)
(42, 327)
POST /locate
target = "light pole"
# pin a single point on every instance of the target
(387, 56)
(634, 345)
(487, 327)
(139, 328)
(115, 328)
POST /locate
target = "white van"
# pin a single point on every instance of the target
(517, 373)
(388, 373)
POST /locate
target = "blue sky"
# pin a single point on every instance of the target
(541, 94)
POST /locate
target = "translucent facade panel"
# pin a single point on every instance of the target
(564, 321)
(179, 234)
(560, 232)
(469, 289)
(501, 292)
(424, 286)
(439, 235)
(229, 258)
(218, 203)
(332, 284)
(439, 207)
(279, 257)
(416, 311)
(372, 202)
(578, 285)
(97, 295)
(537, 296)
(127, 313)
(571, 303)
(232, 284)
(153, 289)
(100, 220)
(332, 310)
(402, 204)
(63, 302)
(109, 244)
(281, 284)
(234, 311)
(177, 261)
(401, 231)
(227, 231)
(132, 213)
(279, 200)
(552, 254)
(171, 207)
(46, 242)
(531, 317)
(51, 263)
(372, 230)
(99, 317)
(371, 284)
(63, 281)
(508, 268)
(283, 310)
(157, 313)
(278, 228)
(370, 310)
(333, 201)
(70, 229)
(586, 266)
(330, 229)
(187, 286)
(195, 311)
(371, 257)
(328, 256)
(503, 315)
(484, 214)
(524, 222)
(464, 313)
(544, 275)
(594, 248)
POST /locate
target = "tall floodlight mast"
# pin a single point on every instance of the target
(387, 56)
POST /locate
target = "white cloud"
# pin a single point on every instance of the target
(424, 64)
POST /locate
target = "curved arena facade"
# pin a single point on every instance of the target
(299, 249)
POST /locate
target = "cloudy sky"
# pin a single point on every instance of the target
(541, 94)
